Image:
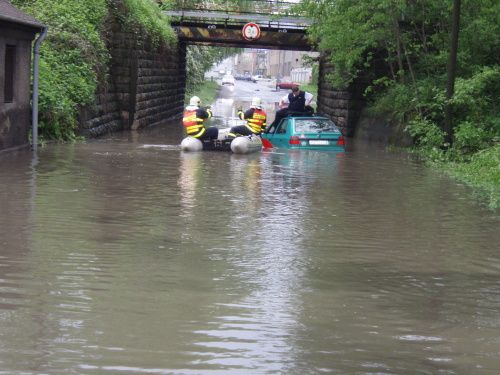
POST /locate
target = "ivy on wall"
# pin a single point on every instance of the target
(74, 57)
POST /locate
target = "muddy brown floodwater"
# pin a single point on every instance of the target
(124, 255)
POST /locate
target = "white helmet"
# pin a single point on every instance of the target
(195, 101)
(256, 102)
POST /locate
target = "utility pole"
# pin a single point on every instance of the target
(451, 71)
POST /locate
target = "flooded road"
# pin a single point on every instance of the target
(118, 257)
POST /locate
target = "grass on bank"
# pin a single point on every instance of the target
(207, 92)
(311, 88)
(482, 172)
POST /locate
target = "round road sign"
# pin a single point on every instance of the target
(251, 31)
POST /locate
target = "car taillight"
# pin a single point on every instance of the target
(341, 141)
(294, 140)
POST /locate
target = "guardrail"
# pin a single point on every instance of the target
(274, 14)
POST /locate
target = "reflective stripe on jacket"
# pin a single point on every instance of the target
(257, 121)
(193, 124)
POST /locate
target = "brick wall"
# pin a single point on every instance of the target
(145, 85)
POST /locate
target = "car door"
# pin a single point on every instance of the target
(280, 136)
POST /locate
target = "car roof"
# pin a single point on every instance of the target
(309, 117)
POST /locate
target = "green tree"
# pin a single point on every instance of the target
(421, 81)
(199, 59)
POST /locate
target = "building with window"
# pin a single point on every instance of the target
(246, 62)
(282, 63)
(17, 32)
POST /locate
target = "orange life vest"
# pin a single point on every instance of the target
(258, 121)
(193, 124)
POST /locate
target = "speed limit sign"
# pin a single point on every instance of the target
(251, 31)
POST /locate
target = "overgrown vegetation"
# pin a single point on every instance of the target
(74, 56)
(147, 15)
(409, 43)
(207, 92)
(237, 6)
(199, 59)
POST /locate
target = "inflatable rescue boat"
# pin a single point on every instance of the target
(244, 144)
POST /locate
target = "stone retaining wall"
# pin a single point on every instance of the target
(344, 106)
(145, 85)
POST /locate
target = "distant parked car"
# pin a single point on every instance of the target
(260, 77)
(256, 78)
(228, 80)
(286, 85)
(242, 77)
(306, 133)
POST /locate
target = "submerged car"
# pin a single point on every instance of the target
(309, 133)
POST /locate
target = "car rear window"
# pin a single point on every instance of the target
(314, 126)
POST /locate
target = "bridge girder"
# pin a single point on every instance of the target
(231, 36)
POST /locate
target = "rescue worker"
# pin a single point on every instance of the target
(255, 117)
(194, 120)
(296, 103)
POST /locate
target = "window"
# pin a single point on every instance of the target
(282, 127)
(314, 126)
(10, 64)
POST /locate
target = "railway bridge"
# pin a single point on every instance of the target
(262, 24)
(148, 83)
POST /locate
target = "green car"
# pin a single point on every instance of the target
(307, 133)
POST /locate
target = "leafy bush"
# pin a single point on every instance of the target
(470, 138)
(148, 15)
(475, 98)
(405, 102)
(425, 133)
(404, 47)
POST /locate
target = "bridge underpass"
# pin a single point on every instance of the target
(146, 85)
(280, 27)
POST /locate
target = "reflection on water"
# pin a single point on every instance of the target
(126, 255)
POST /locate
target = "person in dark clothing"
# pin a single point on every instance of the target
(295, 103)
(194, 121)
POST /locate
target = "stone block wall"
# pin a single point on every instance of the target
(145, 85)
(344, 106)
